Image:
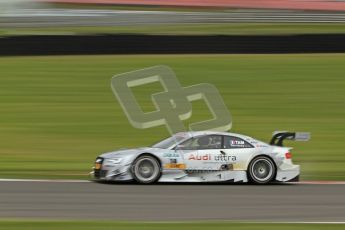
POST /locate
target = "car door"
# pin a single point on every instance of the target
(237, 152)
(201, 153)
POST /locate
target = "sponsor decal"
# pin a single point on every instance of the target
(171, 155)
(208, 157)
(238, 166)
(224, 158)
(237, 143)
(196, 157)
(261, 146)
(175, 166)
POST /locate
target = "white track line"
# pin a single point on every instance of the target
(245, 222)
(50, 181)
(309, 222)
(320, 182)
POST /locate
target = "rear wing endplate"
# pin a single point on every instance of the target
(279, 136)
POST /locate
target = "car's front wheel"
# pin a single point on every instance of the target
(261, 170)
(146, 169)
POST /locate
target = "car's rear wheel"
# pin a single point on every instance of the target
(261, 170)
(146, 169)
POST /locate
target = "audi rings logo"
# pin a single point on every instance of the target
(173, 105)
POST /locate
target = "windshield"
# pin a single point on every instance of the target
(168, 142)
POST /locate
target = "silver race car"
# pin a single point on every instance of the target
(203, 156)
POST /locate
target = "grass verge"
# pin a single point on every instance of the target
(90, 225)
(58, 113)
(188, 29)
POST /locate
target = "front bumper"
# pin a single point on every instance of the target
(110, 172)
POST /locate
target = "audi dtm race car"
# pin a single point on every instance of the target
(203, 156)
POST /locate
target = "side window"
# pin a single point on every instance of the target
(235, 143)
(202, 142)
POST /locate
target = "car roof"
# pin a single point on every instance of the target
(206, 132)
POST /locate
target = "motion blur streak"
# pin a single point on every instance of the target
(87, 17)
(263, 4)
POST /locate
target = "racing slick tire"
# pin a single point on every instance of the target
(146, 169)
(261, 170)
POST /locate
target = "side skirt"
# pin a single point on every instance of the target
(199, 176)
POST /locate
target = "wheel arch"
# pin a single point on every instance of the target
(153, 180)
(261, 155)
(151, 155)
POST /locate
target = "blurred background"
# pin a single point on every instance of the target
(279, 65)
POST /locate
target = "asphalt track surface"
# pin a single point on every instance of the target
(172, 202)
(84, 17)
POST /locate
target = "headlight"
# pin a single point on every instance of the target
(114, 161)
(99, 160)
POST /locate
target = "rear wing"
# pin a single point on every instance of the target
(279, 136)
